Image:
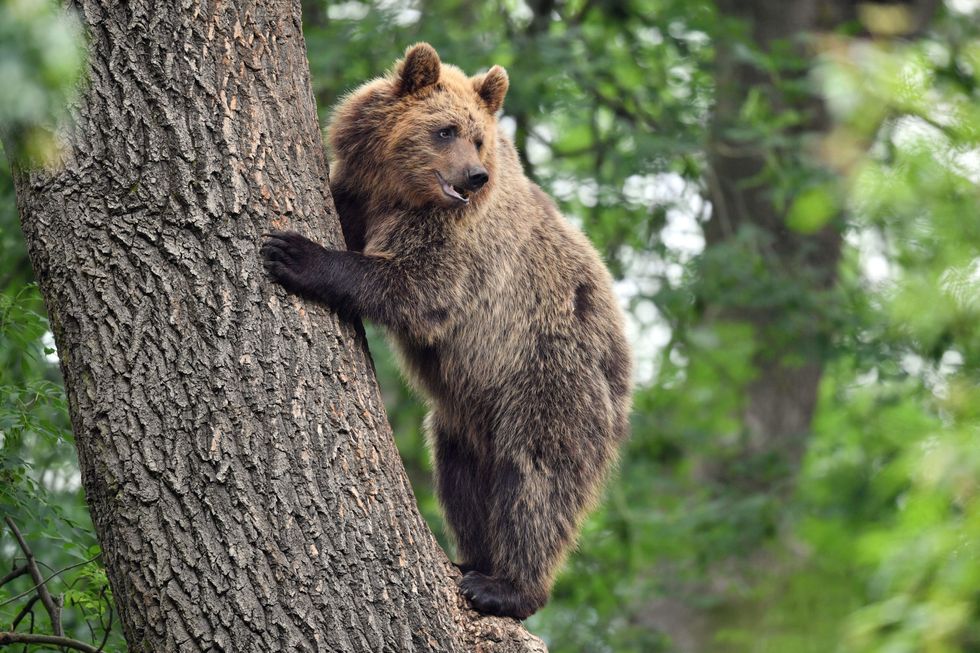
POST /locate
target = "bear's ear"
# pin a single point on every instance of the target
(419, 69)
(492, 87)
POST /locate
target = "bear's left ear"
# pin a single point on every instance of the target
(420, 68)
(492, 87)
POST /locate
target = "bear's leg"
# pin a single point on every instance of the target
(464, 495)
(532, 525)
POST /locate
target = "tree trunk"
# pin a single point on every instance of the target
(233, 444)
(780, 401)
(778, 404)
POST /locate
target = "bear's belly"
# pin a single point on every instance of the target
(470, 363)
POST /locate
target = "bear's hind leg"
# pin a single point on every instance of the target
(533, 522)
(464, 495)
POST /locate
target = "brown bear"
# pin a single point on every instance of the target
(503, 315)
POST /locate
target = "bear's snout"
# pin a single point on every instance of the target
(476, 178)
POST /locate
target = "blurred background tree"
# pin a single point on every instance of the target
(788, 195)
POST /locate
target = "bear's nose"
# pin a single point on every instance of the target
(477, 177)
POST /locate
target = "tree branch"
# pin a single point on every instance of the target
(54, 610)
(30, 638)
(16, 573)
(24, 612)
(57, 573)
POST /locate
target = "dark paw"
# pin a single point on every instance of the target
(498, 597)
(293, 260)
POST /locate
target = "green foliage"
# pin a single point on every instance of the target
(919, 191)
(40, 62)
(39, 485)
(812, 209)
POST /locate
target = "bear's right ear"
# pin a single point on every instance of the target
(420, 68)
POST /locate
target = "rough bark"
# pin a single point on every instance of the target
(234, 448)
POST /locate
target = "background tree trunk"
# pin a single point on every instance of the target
(778, 404)
(233, 443)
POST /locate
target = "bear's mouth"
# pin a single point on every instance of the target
(452, 191)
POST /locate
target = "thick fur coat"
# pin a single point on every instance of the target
(503, 315)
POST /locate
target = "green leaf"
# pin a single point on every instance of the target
(812, 210)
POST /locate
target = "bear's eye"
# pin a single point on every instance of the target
(479, 144)
(446, 133)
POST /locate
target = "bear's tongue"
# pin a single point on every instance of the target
(450, 190)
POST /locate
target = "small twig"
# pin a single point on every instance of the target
(30, 630)
(28, 638)
(24, 611)
(45, 565)
(16, 573)
(54, 610)
(59, 572)
(108, 627)
(88, 624)
(717, 197)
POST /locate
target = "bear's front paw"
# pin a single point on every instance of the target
(294, 261)
(496, 596)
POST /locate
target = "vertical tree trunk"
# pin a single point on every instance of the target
(780, 402)
(233, 444)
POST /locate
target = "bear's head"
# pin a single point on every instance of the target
(424, 136)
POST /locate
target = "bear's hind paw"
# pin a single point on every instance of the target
(496, 596)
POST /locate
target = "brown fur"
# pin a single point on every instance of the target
(503, 315)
